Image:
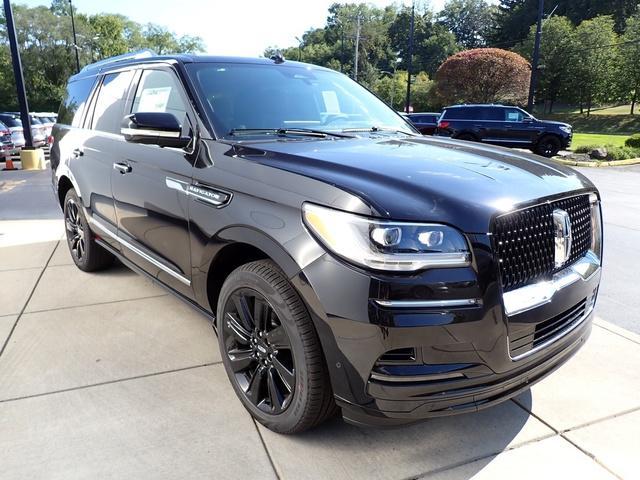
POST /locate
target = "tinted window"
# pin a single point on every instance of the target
(457, 114)
(10, 121)
(73, 104)
(159, 91)
(112, 96)
(513, 115)
(491, 113)
(270, 96)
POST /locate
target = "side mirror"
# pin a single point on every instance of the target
(153, 128)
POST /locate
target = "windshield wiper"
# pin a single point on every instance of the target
(375, 129)
(307, 132)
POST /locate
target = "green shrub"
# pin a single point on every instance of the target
(633, 141)
(586, 148)
(621, 153)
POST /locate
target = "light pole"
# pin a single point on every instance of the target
(299, 49)
(75, 41)
(17, 73)
(536, 58)
(410, 59)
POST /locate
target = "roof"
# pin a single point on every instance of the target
(478, 105)
(147, 56)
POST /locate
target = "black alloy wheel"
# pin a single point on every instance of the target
(85, 251)
(259, 351)
(548, 146)
(271, 351)
(75, 229)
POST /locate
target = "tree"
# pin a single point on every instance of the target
(592, 62)
(471, 21)
(630, 53)
(557, 40)
(484, 75)
(514, 17)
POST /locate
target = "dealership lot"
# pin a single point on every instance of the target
(105, 375)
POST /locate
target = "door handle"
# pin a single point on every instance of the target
(122, 167)
(78, 152)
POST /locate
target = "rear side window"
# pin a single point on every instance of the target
(112, 97)
(491, 113)
(159, 91)
(74, 102)
(456, 114)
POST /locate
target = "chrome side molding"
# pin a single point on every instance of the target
(537, 294)
(139, 252)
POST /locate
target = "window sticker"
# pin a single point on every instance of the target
(154, 99)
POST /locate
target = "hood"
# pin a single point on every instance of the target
(423, 178)
(553, 122)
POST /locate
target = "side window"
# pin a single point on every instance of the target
(74, 102)
(112, 96)
(513, 115)
(491, 113)
(159, 91)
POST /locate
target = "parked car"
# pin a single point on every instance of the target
(426, 123)
(6, 145)
(506, 126)
(15, 126)
(47, 122)
(38, 130)
(345, 260)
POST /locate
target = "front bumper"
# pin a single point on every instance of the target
(395, 359)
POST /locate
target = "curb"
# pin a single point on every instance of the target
(598, 163)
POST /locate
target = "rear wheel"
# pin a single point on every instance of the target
(271, 351)
(85, 252)
(548, 146)
(467, 137)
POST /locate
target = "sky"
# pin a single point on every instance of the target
(228, 27)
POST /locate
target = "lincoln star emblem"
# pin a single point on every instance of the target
(562, 236)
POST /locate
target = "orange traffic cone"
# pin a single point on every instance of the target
(9, 164)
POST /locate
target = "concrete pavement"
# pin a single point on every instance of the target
(104, 375)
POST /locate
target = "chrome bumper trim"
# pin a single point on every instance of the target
(415, 378)
(532, 296)
(466, 302)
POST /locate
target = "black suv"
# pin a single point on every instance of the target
(344, 260)
(425, 123)
(505, 126)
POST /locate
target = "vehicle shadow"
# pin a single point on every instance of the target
(339, 450)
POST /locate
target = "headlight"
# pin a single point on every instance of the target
(596, 226)
(387, 245)
(565, 129)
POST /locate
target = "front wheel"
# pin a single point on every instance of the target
(548, 146)
(271, 351)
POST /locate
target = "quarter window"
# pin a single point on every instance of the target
(159, 91)
(109, 111)
(74, 102)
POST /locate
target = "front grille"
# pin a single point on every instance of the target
(524, 240)
(546, 330)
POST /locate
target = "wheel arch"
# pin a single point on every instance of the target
(236, 246)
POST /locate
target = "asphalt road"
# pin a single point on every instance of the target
(28, 195)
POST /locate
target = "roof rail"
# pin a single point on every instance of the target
(146, 53)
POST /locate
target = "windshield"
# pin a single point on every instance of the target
(248, 96)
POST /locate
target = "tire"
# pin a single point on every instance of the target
(548, 146)
(468, 137)
(85, 252)
(271, 351)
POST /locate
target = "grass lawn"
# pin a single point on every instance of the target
(597, 139)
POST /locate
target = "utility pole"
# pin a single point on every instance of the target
(75, 41)
(355, 66)
(17, 73)
(342, 48)
(536, 58)
(410, 59)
